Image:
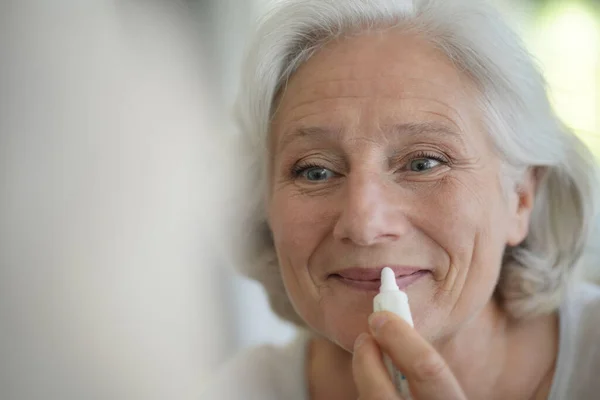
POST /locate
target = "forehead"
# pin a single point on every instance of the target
(379, 54)
(381, 76)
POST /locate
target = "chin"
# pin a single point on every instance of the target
(345, 339)
(342, 328)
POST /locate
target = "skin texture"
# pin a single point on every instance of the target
(379, 158)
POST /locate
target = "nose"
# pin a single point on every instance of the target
(371, 212)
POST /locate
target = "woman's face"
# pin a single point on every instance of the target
(380, 159)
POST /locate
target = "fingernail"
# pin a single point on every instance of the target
(376, 321)
(360, 340)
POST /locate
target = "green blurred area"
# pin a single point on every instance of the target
(565, 37)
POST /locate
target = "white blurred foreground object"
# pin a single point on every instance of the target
(108, 178)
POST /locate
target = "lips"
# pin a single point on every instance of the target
(369, 278)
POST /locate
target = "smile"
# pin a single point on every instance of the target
(369, 278)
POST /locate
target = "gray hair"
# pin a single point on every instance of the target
(516, 112)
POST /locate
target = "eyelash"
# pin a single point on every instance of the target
(297, 170)
(432, 156)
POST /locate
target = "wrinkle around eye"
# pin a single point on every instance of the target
(313, 190)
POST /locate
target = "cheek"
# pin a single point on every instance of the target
(452, 215)
(467, 209)
(467, 219)
(298, 227)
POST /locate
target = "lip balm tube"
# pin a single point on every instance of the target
(391, 298)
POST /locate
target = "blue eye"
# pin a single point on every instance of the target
(316, 174)
(312, 173)
(423, 164)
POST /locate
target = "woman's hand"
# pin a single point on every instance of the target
(427, 373)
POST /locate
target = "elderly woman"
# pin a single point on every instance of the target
(415, 135)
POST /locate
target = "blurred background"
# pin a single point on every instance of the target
(113, 125)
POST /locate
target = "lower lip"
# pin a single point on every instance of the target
(402, 281)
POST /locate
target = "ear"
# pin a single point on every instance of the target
(525, 192)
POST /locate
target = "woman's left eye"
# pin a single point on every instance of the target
(423, 164)
(313, 173)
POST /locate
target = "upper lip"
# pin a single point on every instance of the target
(374, 273)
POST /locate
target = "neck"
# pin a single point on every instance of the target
(492, 358)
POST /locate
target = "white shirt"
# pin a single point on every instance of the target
(578, 365)
(272, 373)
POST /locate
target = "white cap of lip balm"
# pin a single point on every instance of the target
(391, 298)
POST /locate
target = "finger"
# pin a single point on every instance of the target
(428, 374)
(370, 375)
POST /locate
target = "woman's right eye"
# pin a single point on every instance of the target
(314, 174)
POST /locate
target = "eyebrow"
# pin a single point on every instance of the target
(410, 129)
(308, 132)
